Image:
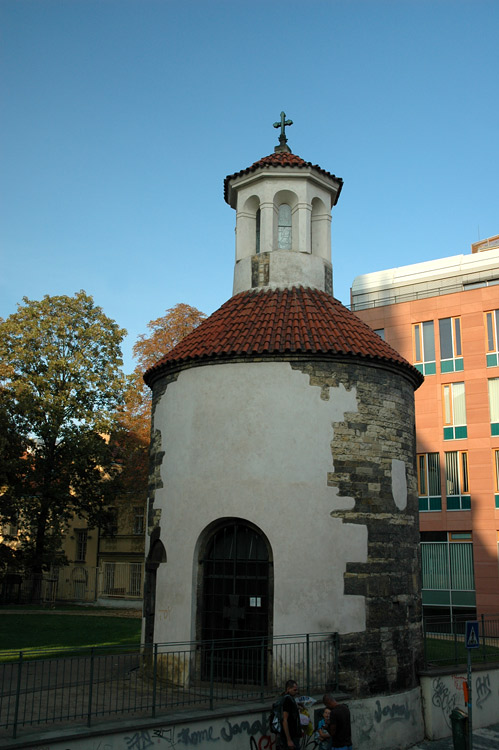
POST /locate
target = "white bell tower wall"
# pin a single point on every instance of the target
(299, 249)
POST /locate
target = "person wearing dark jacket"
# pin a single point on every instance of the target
(339, 726)
(290, 737)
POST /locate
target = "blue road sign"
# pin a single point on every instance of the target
(472, 639)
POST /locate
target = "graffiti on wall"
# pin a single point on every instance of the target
(375, 718)
(139, 741)
(174, 736)
(444, 698)
(368, 723)
(483, 690)
(395, 712)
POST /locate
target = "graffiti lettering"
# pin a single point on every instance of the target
(458, 681)
(167, 734)
(443, 699)
(139, 741)
(197, 737)
(483, 690)
(266, 742)
(256, 728)
(394, 713)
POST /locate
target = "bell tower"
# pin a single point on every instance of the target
(283, 221)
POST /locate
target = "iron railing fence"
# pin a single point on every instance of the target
(77, 583)
(49, 687)
(444, 641)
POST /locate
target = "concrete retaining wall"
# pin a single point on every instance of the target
(442, 693)
(378, 723)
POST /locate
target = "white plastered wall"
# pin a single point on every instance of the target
(254, 441)
(286, 269)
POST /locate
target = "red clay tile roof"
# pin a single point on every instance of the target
(300, 321)
(280, 159)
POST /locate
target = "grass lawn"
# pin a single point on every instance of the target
(19, 632)
(447, 652)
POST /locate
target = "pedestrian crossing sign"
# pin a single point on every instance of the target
(472, 638)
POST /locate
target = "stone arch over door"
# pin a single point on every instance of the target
(235, 601)
(157, 555)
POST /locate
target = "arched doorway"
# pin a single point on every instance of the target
(236, 602)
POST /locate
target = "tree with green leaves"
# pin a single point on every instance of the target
(134, 419)
(61, 384)
(164, 334)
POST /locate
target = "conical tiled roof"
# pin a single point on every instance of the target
(280, 159)
(272, 322)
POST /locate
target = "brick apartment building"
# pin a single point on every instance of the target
(443, 316)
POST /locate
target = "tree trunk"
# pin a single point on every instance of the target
(37, 571)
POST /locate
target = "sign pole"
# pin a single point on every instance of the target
(472, 640)
(470, 706)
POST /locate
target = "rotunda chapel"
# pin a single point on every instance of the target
(282, 491)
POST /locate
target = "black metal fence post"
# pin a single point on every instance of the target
(484, 645)
(154, 679)
(212, 672)
(425, 645)
(262, 670)
(90, 688)
(18, 694)
(308, 662)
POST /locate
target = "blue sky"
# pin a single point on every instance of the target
(121, 118)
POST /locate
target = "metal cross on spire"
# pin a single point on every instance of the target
(282, 137)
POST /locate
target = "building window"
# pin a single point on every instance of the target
(109, 574)
(111, 527)
(284, 229)
(492, 328)
(448, 585)
(424, 347)
(454, 411)
(494, 405)
(496, 472)
(451, 359)
(138, 519)
(81, 545)
(135, 579)
(380, 332)
(456, 481)
(429, 490)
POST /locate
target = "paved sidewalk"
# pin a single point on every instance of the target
(483, 739)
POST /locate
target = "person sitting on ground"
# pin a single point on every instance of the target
(322, 736)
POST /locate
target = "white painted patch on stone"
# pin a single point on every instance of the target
(399, 483)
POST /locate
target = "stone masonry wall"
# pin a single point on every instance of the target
(387, 656)
(156, 454)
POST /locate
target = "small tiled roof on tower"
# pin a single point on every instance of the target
(280, 159)
(275, 322)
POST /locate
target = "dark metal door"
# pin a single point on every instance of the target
(235, 611)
